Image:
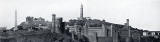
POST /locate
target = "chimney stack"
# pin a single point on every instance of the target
(127, 22)
(53, 23)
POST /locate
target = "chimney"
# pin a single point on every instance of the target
(53, 23)
(127, 22)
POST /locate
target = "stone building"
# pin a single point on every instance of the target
(100, 31)
(151, 36)
(37, 30)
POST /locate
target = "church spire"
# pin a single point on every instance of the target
(81, 12)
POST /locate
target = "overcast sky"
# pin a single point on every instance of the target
(143, 14)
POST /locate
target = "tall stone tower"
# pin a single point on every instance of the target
(129, 33)
(81, 12)
(15, 20)
(127, 20)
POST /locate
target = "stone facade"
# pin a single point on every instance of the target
(101, 31)
(104, 31)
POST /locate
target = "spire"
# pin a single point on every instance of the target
(81, 12)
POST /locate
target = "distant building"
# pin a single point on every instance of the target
(32, 22)
(151, 36)
(151, 33)
(37, 30)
